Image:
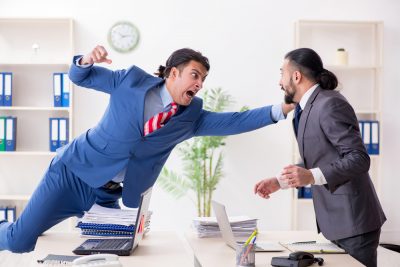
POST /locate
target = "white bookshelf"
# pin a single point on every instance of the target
(32, 102)
(360, 81)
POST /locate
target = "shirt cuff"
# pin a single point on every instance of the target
(82, 65)
(319, 177)
(277, 113)
(282, 183)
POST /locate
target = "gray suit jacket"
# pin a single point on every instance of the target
(329, 138)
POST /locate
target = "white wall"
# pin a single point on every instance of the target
(245, 42)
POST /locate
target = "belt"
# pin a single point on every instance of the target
(112, 185)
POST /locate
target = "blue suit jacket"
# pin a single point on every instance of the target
(117, 141)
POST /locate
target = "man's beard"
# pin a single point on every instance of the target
(289, 97)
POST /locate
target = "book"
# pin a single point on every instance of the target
(314, 247)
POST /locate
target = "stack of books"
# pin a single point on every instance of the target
(106, 222)
(208, 226)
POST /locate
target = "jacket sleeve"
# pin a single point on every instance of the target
(95, 77)
(229, 123)
(340, 126)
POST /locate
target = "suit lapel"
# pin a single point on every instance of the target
(303, 120)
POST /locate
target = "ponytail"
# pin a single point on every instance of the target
(327, 80)
(161, 72)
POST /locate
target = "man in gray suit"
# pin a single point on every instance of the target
(335, 161)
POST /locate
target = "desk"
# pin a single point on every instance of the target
(212, 252)
(155, 250)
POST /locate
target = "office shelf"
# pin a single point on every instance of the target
(32, 49)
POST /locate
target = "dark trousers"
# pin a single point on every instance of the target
(59, 195)
(362, 247)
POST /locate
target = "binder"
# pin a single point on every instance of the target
(63, 131)
(3, 213)
(65, 90)
(54, 138)
(57, 85)
(307, 191)
(2, 133)
(7, 89)
(361, 128)
(11, 214)
(374, 138)
(11, 133)
(1, 89)
(300, 193)
(367, 136)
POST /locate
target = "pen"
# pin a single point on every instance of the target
(304, 242)
(250, 237)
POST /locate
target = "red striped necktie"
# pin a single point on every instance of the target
(158, 120)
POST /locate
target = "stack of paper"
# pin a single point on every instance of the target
(106, 222)
(242, 226)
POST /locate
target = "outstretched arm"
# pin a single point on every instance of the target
(85, 74)
(229, 123)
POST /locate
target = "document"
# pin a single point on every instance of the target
(314, 247)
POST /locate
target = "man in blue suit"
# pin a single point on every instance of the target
(120, 148)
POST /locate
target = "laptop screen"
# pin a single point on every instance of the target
(141, 217)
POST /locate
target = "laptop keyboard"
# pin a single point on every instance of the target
(113, 244)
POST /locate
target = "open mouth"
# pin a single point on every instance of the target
(190, 94)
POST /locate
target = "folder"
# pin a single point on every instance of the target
(374, 138)
(57, 85)
(54, 141)
(361, 128)
(63, 131)
(300, 192)
(11, 214)
(307, 191)
(11, 133)
(3, 213)
(7, 89)
(1, 89)
(2, 133)
(65, 90)
(367, 136)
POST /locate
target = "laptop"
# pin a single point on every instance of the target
(229, 238)
(119, 246)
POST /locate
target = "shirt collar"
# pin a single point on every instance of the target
(166, 98)
(306, 96)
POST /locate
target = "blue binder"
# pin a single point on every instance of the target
(300, 192)
(65, 90)
(57, 86)
(11, 133)
(1, 89)
(307, 192)
(53, 134)
(7, 80)
(63, 131)
(367, 135)
(374, 138)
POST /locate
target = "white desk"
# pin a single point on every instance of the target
(212, 252)
(155, 250)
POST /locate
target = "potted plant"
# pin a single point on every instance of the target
(202, 160)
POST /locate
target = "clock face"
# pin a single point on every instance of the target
(123, 36)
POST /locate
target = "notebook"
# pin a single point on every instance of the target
(229, 238)
(314, 247)
(119, 246)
